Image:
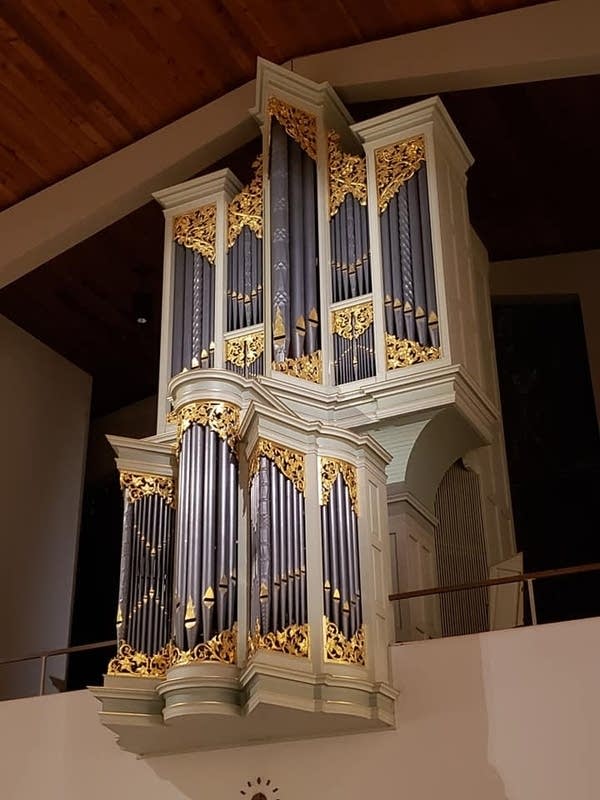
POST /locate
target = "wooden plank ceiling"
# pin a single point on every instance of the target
(80, 79)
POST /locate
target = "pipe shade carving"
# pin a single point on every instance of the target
(278, 602)
(410, 303)
(344, 634)
(353, 342)
(146, 574)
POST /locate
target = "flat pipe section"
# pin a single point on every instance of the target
(193, 311)
(244, 281)
(278, 551)
(350, 256)
(341, 568)
(410, 304)
(143, 617)
(205, 598)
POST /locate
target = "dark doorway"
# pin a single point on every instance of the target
(552, 446)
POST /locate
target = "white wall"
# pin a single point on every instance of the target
(509, 715)
(44, 411)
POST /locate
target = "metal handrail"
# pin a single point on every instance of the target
(523, 577)
(63, 651)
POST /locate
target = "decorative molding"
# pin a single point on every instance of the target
(223, 418)
(289, 462)
(246, 208)
(140, 665)
(293, 640)
(308, 367)
(221, 648)
(300, 125)
(352, 321)
(330, 468)
(405, 352)
(197, 231)
(244, 350)
(347, 174)
(341, 649)
(141, 484)
(396, 164)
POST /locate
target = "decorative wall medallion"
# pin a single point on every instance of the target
(347, 175)
(260, 789)
(246, 208)
(396, 164)
(197, 230)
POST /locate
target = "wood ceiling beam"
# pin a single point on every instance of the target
(544, 41)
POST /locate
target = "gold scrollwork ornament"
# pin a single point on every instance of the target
(405, 352)
(293, 640)
(341, 649)
(352, 321)
(330, 469)
(221, 648)
(140, 484)
(396, 164)
(289, 462)
(308, 367)
(223, 418)
(246, 208)
(197, 231)
(140, 665)
(244, 350)
(300, 125)
(347, 175)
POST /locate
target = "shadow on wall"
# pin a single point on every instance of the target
(439, 750)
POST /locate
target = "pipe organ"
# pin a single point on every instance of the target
(301, 312)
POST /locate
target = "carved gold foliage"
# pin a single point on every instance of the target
(347, 174)
(222, 648)
(244, 350)
(352, 321)
(223, 418)
(405, 352)
(293, 640)
(140, 665)
(140, 484)
(246, 208)
(308, 367)
(197, 230)
(341, 649)
(289, 462)
(300, 125)
(396, 164)
(330, 469)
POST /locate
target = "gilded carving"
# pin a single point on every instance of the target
(244, 350)
(223, 418)
(347, 174)
(396, 164)
(300, 125)
(197, 230)
(308, 367)
(352, 321)
(140, 665)
(222, 648)
(289, 462)
(330, 469)
(293, 640)
(246, 208)
(405, 352)
(341, 649)
(140, 484)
